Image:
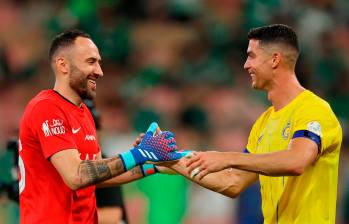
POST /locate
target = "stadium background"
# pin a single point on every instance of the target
(179, 62)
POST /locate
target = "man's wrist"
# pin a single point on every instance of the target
(234, 159)
(128, 160)
(178, 166)
(148, 169)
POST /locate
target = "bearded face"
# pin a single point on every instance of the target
(82, 83)
(82, 65)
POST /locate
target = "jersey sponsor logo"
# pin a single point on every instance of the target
(314, 127)
(55, 127)
(90, 138)
(286, 131)
(56, 123)
(75, 130)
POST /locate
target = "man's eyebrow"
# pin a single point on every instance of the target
(94, 59)
(250, 53)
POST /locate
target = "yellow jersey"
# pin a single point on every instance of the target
(311, 197)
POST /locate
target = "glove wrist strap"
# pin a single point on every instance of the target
(128, 160)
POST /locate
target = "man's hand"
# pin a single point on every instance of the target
(152, 149)
(153, 127)
(149, 169)
(138, 140)
(203, 163)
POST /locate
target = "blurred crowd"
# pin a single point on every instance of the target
(178, 62)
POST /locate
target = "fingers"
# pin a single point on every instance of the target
(175, 155)
(167, 134)
(170, 140)
(194, 158)
(138, 140)
(158, 131)
(152, 128)
(193, 165)
(194, 172)
(172, 143)
(198, 170)
(202, 174)
(186, 153)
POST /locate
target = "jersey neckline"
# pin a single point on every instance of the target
(296, 100)
(68, 102)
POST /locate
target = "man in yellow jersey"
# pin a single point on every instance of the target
(293, 147)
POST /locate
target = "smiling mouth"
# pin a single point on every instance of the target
(252, 75)
(92, 83)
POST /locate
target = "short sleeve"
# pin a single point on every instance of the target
(52, 128)
(317, 123)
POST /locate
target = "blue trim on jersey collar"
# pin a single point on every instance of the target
(310, 135)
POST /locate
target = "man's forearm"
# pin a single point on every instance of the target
(95, 171)
(123, 178)
(229, 182)
(279, 163)
(301, 153)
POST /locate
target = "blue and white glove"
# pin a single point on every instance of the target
(152, 149)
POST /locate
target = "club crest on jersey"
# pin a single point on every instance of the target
(55, 127)
(314, 127)
(286, 131)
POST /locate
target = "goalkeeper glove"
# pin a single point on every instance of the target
(159, 148)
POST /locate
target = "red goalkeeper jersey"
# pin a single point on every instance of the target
(51, 124)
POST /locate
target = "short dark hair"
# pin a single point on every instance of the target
(275, 33)
(65, 39)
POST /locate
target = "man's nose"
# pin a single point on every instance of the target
(98, 70)
(246, 65)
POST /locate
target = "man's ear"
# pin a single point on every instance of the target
(62, 65)
(276, 59)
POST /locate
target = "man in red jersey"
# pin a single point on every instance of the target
(59, 156)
